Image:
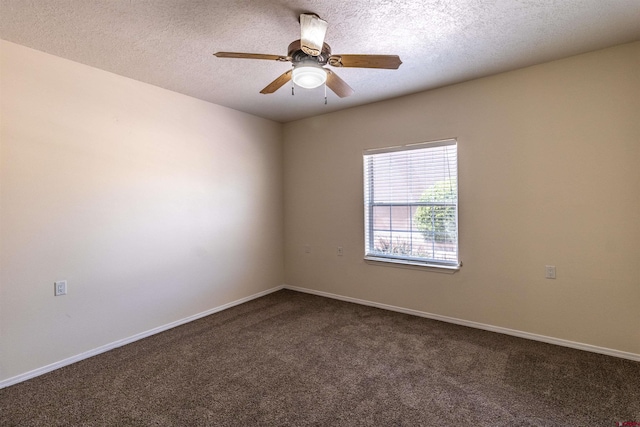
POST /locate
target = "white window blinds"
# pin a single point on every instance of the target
(411, 204)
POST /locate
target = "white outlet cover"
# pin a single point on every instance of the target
(60, 288)
(550, 271)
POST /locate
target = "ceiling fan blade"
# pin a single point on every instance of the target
(391, 62)
(339, 86)
(277, 83)
(312, 32)
(252, 56)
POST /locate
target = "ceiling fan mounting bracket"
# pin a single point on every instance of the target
(307, 13)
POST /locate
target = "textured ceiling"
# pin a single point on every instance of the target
(169, 43)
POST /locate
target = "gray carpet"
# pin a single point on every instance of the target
(296, 359)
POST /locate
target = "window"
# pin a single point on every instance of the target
(411, 204)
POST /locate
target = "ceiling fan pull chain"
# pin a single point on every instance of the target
(325, 92)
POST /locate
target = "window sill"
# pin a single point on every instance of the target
(388, 262)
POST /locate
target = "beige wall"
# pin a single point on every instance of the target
(156, 206)
(549, 170)
(153, 205)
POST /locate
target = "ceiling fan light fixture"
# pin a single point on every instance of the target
(310, 54)
(309, 76)
(312, 32)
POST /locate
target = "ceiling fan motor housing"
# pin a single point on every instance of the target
(298, 56)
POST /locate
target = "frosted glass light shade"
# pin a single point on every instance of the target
(309, 77)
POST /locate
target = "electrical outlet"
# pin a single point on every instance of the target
(60, 288)
(307, 249)
(340, 251)
(550, 271)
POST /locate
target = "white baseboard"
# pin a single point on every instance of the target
(498, 329)
(550, 340)
(78, 357)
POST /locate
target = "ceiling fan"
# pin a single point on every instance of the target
(310, 54)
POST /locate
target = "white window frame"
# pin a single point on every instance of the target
(406, 260)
